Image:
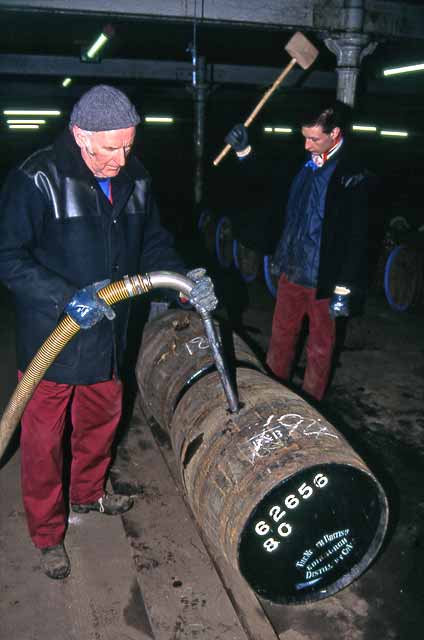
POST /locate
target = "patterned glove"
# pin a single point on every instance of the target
(202, 295)
(86, 308)
(239, 140)
(339, 303)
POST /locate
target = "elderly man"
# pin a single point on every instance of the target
(322, 252)
(73, 217)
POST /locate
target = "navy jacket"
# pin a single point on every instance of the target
(298, 252)
(343, 254)
(58, 233)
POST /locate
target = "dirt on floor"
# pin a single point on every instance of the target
(376, 401)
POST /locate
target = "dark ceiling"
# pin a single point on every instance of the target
(66, 35)
(59, 35)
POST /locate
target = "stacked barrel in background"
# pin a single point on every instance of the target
(276, 487)
(396, 262)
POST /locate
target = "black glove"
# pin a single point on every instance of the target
(339, 303)
(86, 308)
(239, 140)
(202, 295)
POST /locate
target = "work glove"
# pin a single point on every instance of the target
(202, 295)
(339, 303)
(239, 140)
(86, 308)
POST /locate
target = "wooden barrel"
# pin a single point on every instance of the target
(247, 261)
(403, 277)
(174, 354)
(277, 489)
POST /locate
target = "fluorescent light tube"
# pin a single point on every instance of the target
(282, 130)
(163, 119)
(97, 45)
(408, 69)
(66, 82)
(31, 112)
(26, 121)
(364, 127)
(399, 134)
(268, 129)
(24, 126)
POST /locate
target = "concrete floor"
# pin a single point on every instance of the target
(376, 401)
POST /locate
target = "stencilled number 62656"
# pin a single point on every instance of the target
(277, 514)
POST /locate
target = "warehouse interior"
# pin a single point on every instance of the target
(204, 66)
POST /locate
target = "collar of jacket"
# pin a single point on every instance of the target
(320, 159)
(349, 166)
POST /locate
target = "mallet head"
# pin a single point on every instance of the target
(300, 48)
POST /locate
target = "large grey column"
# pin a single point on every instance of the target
(350, 48)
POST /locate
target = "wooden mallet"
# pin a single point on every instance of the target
(303, 53)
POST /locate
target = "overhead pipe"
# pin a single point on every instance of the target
(200, 90)
(67, 328)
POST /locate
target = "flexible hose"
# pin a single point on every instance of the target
(67, 328)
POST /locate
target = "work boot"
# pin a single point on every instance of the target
(112, 504)
(55, 562)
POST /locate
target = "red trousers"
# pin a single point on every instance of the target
(95, 411)
(293, 303)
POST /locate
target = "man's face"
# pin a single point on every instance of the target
(316, 141)
(105, 152)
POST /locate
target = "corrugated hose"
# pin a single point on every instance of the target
(67, 328)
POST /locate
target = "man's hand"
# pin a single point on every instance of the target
(86, 308)
(239, 140)
(202, 295)
(339, 303)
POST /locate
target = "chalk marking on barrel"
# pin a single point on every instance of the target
(272, 438)
(201, 342)
(322, 431)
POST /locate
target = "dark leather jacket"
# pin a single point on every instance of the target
(350, 197)
(344, 238)
(58, 233)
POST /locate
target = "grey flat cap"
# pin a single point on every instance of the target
(104, 108)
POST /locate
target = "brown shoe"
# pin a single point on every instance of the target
(55, 562)
(112, 504)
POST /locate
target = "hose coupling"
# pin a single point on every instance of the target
(137, 285)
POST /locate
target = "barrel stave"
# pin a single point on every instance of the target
(175, 352)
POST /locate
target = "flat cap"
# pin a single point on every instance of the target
(104, 108)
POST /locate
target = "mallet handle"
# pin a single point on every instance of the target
(259, 106)
(270, 91)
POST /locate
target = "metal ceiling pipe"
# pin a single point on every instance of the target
(200, 90)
